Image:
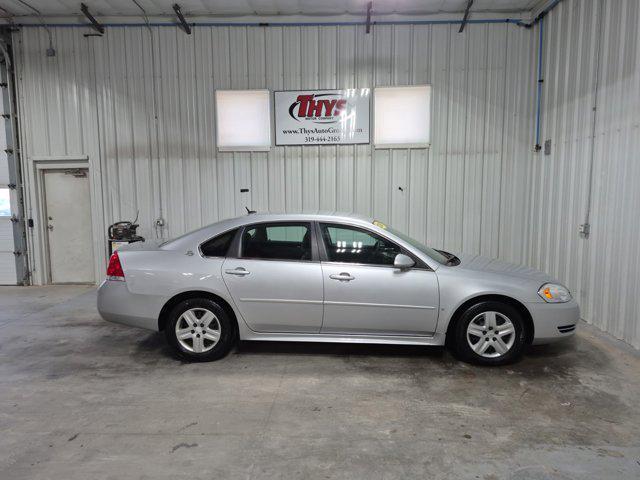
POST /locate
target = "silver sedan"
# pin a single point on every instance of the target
(329, 278)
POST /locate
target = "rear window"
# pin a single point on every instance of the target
(218, 246)
(291, 241)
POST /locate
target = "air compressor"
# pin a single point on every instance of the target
(123, 233)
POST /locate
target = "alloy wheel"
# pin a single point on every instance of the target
(491, 334)
(198, 330)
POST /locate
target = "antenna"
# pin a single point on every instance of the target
(249, 212)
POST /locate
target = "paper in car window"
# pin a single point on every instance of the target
(379, 224)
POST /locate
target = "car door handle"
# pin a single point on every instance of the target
(344, 276)
(238, 271)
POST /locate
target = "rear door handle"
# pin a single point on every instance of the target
(344, 276)
(237, 271)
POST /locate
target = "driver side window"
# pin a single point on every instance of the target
(354, 245)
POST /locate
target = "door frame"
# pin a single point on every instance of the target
(40, 166)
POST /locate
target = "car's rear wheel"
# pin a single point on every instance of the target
(199, 330)
(490, 333)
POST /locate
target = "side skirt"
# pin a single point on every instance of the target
(435, 340)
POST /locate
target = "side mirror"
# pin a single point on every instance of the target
(403, 261)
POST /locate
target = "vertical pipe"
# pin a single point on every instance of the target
(537, 146)
(585, 227)
(159, 222)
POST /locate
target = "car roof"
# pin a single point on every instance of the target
(260, 217)
(202, 234)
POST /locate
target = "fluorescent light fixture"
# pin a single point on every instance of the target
(243, 120)
(402, 116)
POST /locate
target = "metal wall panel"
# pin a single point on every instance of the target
(602, 271)
(96, 98)
(230, 8)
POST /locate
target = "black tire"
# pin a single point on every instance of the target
(225, 325)
(461, 344)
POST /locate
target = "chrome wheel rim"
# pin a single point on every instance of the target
(198, 330)
(491, 334)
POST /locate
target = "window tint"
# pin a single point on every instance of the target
(218, 246)
(286, 233)
(277, 241)
(352, 245)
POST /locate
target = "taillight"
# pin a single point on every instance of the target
(114, 270)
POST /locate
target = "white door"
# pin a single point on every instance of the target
(68, 217)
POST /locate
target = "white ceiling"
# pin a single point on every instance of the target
(55, 8)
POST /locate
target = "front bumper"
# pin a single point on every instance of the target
(117, 304)
(553, 321)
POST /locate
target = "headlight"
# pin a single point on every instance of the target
(554, 293)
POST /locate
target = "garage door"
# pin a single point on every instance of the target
(8, 274)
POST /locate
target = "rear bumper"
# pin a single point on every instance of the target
(117, 304)
(554, 321)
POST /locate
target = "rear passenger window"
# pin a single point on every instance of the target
(218, 246)
(290, 241)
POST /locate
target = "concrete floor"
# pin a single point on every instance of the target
(84, 399)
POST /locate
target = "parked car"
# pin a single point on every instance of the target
(329, 278)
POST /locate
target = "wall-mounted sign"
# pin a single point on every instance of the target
(322, 117)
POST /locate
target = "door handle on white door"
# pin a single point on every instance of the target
(237, 271)
(344, 276)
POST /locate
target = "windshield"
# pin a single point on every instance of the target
(430, 252)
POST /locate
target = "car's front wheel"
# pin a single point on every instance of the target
(490, 333)
(199, 330)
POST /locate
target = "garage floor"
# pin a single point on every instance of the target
(85, 399)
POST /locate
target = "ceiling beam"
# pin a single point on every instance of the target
(183, 23)
(546, 7)
(94, 23)
(466, 16)
(369, 6)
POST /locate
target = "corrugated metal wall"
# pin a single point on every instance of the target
(477, 189)
(96, 98)
(603, 270)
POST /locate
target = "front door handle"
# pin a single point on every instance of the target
(238, 271)
(344, 277)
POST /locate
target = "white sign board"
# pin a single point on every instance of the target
(322, 117)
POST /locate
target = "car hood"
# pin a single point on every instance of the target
(478, 263)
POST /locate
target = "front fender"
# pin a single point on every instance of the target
(456, 289)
